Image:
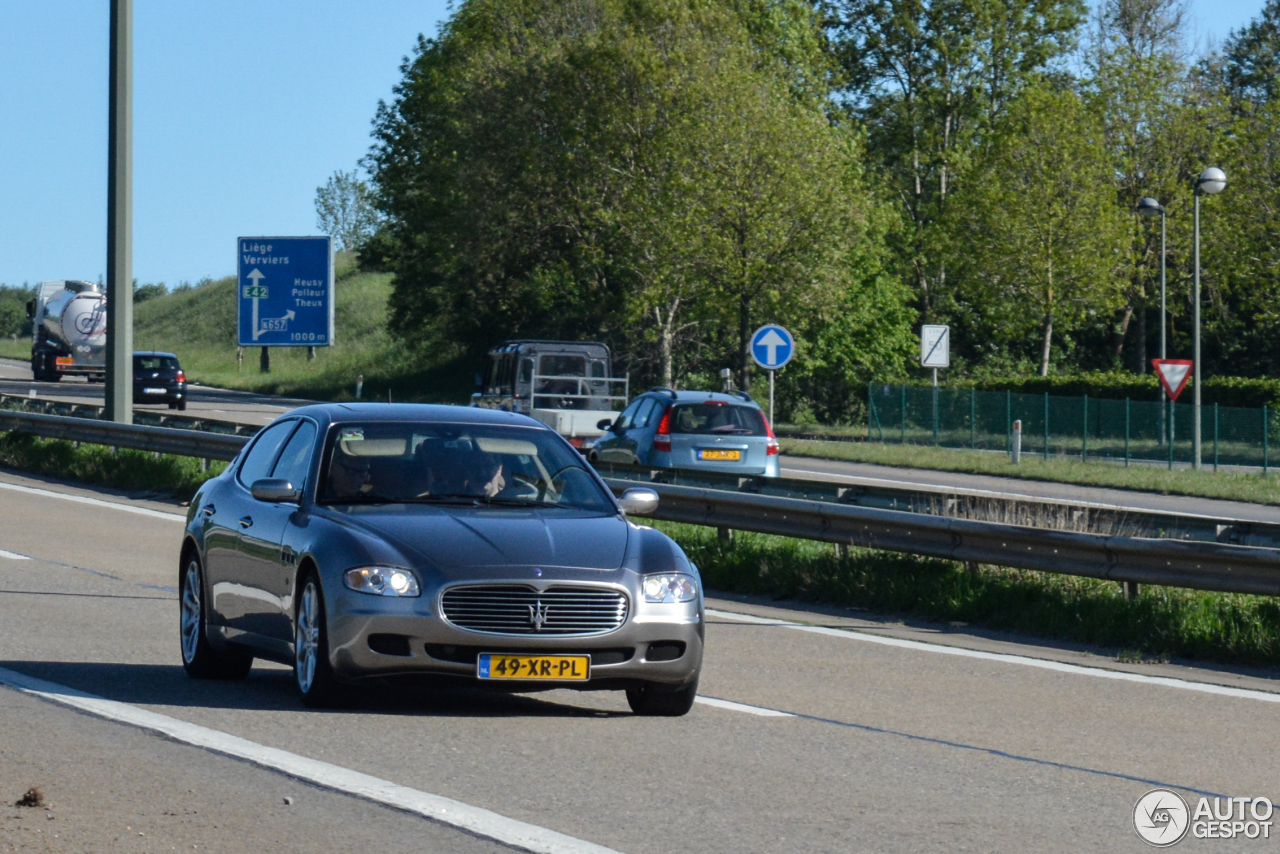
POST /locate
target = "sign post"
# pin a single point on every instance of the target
(284, 293)
(772, 347)
(1173, 374)
(935, 352)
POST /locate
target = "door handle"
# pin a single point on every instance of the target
(246, 521)
(209, 509)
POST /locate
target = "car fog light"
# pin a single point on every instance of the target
(670, 588)
(381, 581)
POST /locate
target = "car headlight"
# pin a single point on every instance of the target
(382, 581)
(670, 588)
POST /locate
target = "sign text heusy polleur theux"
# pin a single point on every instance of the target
(284, 291)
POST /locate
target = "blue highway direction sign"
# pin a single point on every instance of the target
(284, 296)
(772, 347)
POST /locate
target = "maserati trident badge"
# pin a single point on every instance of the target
(537, 615)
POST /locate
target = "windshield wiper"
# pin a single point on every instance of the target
(365, 498)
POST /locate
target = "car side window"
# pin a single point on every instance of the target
(624, 420)
(295, 459)
(263, 453)
(645, 412)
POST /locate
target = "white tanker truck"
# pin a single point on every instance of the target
(69, 331)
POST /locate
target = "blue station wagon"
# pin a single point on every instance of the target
(701, 430)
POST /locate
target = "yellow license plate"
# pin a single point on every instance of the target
(713, 454)
(496, 665)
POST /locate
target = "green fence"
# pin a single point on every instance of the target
(1080, 427)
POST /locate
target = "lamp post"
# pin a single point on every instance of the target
(1149, 207)
(1211, 181)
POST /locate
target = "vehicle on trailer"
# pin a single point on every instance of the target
(68, 331)
(567, 385)
(703, 430)
(158, 378)
(360, 541)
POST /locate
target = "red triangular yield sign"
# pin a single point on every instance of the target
(1173, 373)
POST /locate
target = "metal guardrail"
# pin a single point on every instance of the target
(1207, 565)
(163, 440)
(975, 505)
(1178, 563)
(47, 406)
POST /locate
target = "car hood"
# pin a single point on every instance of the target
(452, 538)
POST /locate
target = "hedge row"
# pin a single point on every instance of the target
(1224, 391)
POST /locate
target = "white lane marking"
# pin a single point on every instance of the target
(96, 502)
(970, 490)
(13, 555)
(742, 707)
(1008, 658)
(475, 820)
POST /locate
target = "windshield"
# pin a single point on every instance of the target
(460, 464)
(154, 363)
(715, 417)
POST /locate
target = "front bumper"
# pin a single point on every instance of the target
(384, 636)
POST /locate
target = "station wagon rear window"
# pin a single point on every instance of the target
(717, 418)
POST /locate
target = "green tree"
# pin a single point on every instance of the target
(1138, 86)
(1250, 59)
(928, 77)
(650, 172)
(344, 210)
(1041, 226)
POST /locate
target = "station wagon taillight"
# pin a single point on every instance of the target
(771, 448)
(662, 439)
(182, 377)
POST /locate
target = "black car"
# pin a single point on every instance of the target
(158, 378)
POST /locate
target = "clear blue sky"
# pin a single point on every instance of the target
(241, 109)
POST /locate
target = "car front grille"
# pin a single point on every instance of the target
(518, 609)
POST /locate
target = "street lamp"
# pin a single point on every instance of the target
(1212, 181)
(1149, 207)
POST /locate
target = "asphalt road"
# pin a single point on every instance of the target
(217, 403)
(894, 738)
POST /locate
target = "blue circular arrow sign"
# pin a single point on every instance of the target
(772, 346)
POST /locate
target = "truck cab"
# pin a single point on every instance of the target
(567, 385)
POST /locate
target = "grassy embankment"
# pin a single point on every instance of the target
(1162, 622)
(200, 326)
(1145, 477)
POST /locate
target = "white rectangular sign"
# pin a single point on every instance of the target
(935, 346)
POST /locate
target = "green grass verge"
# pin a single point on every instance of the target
(1146, 478)
(177, 476)
(1162, 622)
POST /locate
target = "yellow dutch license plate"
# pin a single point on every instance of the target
(714, 454)
(571, 668)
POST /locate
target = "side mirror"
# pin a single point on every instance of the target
(604, 424)
(275, 490)
(31, 309)
(639, 502)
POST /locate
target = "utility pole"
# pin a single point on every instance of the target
(119, 397)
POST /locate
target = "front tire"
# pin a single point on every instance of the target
(313, 674)
(657, 700)
(199, 658)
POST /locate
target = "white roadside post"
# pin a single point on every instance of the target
(771, 348)
(1017, 442)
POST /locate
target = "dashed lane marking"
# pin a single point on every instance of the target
(742, 707)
